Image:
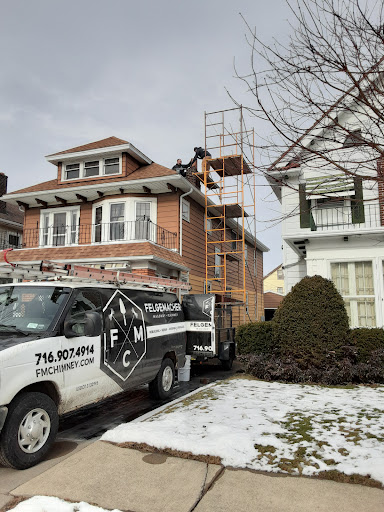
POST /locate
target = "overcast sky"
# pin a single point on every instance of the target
(76, 71)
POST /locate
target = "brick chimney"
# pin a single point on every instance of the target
(380, 186)
(3, 190)
(194, 179)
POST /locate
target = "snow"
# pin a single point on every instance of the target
(49, 504)
(300, 429)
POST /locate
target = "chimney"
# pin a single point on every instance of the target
(194, 180)
(3, 190)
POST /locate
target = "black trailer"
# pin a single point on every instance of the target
(209, 329)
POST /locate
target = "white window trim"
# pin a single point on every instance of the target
(186, 214)
(129, 216)
(377, 284)
(69, 210)
(82, 163)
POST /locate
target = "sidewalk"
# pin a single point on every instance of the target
(129, 480)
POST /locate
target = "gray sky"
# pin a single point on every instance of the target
(73, 72)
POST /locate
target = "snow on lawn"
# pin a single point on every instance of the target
(49, 504)
(293, 428)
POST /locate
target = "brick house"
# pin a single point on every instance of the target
(11, 220)
(111, 205)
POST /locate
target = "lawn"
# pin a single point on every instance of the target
(297, 429)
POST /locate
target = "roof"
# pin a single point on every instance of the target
(12, 214)
(104, 143)
(272, 271)
(272, 300)
(148, 171)
(85, 252)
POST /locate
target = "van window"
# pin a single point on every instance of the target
(30, 308)
(86, 300)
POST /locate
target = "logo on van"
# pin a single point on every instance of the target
(125, 341)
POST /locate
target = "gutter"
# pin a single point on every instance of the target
(181, 219)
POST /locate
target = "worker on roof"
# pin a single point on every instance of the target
(200, 154)
(180, 167)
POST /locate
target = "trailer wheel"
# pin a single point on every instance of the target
(161, 386)
(29, 430)
(227, 364)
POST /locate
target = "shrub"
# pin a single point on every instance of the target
(365, 341)
(334, 372)
(311, 323)
(254, 337)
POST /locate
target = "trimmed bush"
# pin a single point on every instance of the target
(365, 341)
(311, 322)
(254, 337)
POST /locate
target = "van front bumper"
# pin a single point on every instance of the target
(3, 415)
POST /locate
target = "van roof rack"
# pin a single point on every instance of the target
(48, 270)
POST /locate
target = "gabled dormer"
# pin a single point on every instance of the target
(98, 161)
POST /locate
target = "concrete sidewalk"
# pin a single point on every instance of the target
(129, 480)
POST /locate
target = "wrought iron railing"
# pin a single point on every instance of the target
(103, 233)
(341, 218)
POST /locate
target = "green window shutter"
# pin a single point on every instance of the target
(306, 217)
(357, 203)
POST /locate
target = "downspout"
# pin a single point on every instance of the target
(181, 220)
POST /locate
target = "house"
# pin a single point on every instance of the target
(11, 222)
(273, 291)
(110, 205)
(333, 221)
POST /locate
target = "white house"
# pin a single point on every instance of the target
(333, 222)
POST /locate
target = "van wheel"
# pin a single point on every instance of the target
(161, 386)
(29, 430)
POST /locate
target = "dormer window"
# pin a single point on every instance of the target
(72, 171)
(92, 168)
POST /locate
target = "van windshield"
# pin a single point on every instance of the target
(27, 309)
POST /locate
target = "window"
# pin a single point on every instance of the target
(72, 171)
(116, 227)
(246, 254)
(143, 221)
(13, 240)
(91, 168)
(111, 166)
(59, 227)
(217, 263)
(280, 290)
(280, 273)
(208, 223)
(354, 281)
(186, 210)
(98, 223)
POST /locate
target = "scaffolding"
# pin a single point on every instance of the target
(228, 182)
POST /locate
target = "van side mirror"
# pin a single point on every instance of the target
(92, 326)
(89, 325)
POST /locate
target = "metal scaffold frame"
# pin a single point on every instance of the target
(228, 180)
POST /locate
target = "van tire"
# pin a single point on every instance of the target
(161, 386)
(28, 411)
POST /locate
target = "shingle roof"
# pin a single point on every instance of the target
(104, 143)
(83, 252)
(145, 172)
(12, 214)
(272, 300)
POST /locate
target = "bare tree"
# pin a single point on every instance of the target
(321, 92)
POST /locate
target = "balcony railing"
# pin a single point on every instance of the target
(340, 218)
(103, 233)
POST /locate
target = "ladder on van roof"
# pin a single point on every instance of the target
(52, 270)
